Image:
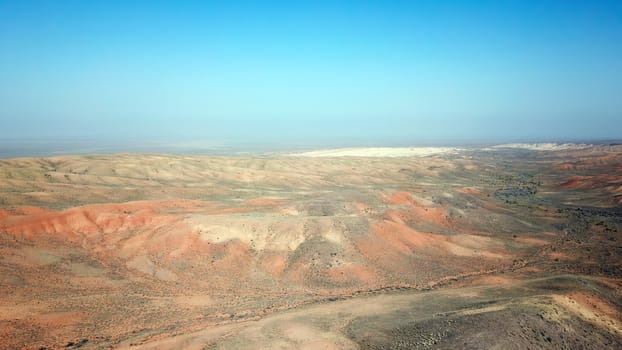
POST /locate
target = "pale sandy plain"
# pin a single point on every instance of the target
(378, 152)
(333, 249)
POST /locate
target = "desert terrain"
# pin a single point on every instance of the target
(508, 247)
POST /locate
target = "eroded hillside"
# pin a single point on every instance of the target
(120, 250)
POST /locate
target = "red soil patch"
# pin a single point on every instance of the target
(357, 273)
(5, 214)
(596, 181)
(598, 305)
(178, 241)
(297, 273)
(400, 198)
(565, 166)
(592, 308)
(414, 211)
(574, 182)
(88, 220)
(437, 216)
(420, 215)
(274, 264)
(393, 246)
(382, 252)
(30, 210)
(406, 239)
(397, 247)
(234, 259)
(73, 223)
(53, 320)
(401, 237)
(591, 161)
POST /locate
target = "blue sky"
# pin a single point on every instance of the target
(384, 72)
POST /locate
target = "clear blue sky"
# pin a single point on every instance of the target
(379, 72)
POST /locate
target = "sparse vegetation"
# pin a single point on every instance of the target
(143, 247)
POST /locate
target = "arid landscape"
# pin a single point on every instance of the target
(507, 247)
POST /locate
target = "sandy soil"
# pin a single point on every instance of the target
(546, 146)
(402, 248)
(379, 152)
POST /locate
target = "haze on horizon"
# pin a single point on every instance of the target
(324, 72)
